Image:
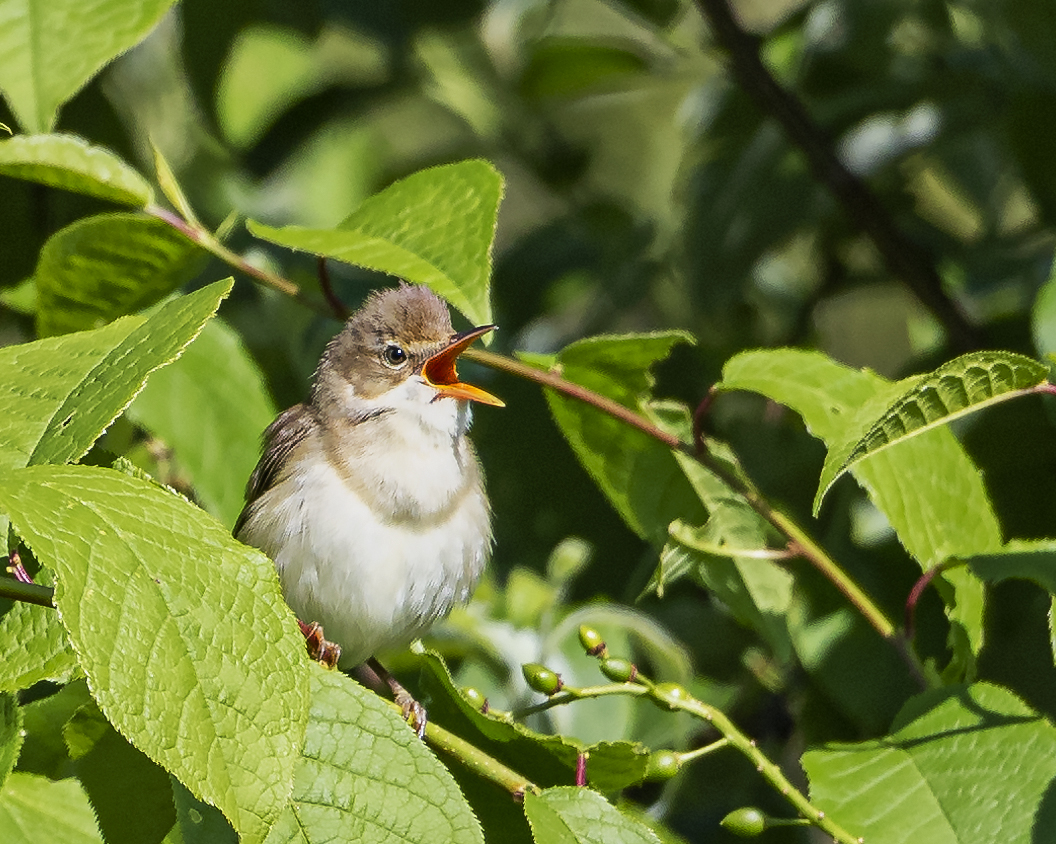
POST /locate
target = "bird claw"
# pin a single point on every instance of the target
(319, 649)
(413, 712)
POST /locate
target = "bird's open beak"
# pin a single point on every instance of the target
(439, 371)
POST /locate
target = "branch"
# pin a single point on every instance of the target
(798, 538)
(903, 258)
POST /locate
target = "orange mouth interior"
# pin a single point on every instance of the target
(439, 371)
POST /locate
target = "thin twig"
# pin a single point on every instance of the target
(918, 589)
(336, 305)
(904, 258)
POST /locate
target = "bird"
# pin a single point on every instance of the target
(369, 497)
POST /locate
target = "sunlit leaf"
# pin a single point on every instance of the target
(434, 227)
(188, 646)
(966, 764)
(365, 776)
(50, 48)
(73, 164)
(568, 815)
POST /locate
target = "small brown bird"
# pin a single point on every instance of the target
(369, 496)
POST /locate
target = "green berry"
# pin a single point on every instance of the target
(746, 822)
(618, 670)
(669, 695)
(663, 765)
(541, 678)
(475, 698)
(591, 641)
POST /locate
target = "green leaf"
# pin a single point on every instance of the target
(73, 164)
(171, 187)
(638, 474)
(107, 266)
(926, 486)
(35, 809)
(1033, 560)
(569, 815)
(757, 591)
(91, 403)
(33, 643)
(364, 776)
(10, 734)
(571, 67)
(434, 227)
(182, 631)
(45, 751)
(210, 407)
(967, 764)
(965, 385)
(50, 48)
(131, 796)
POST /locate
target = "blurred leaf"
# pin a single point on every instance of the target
(182, 631)
(638, 474)
(569, 67)
(35, 809)
(131, 796)
(1043, 318)
(926, 486)
(73, 164)
(434, 227)
(364, 776)
(107, 266)
(210, 406)
(965, 385)
(569, 815)
(268, 69)
(50, 48)
(10, 734)
(965, 764)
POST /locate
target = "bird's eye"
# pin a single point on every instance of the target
(393, 356)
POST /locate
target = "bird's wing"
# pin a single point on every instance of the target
(281, 437)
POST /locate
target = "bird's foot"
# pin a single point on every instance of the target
(324, 652)
(373, 673)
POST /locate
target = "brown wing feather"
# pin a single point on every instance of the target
(281, 437)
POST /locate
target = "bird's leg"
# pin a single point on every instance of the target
(373, 674)
(324, 652)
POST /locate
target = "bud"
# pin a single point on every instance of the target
(475, 698)
(663, 765)
(619, 670)
(541, 678)
(591, 641)
(746, 822)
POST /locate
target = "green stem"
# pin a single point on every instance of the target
(771, 772)
(690, 755)
(204, 238)
(476, 759)
(30, 593)
(569, 694)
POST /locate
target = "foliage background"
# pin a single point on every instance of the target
(645, 189)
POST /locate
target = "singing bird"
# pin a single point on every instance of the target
(369, 497)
